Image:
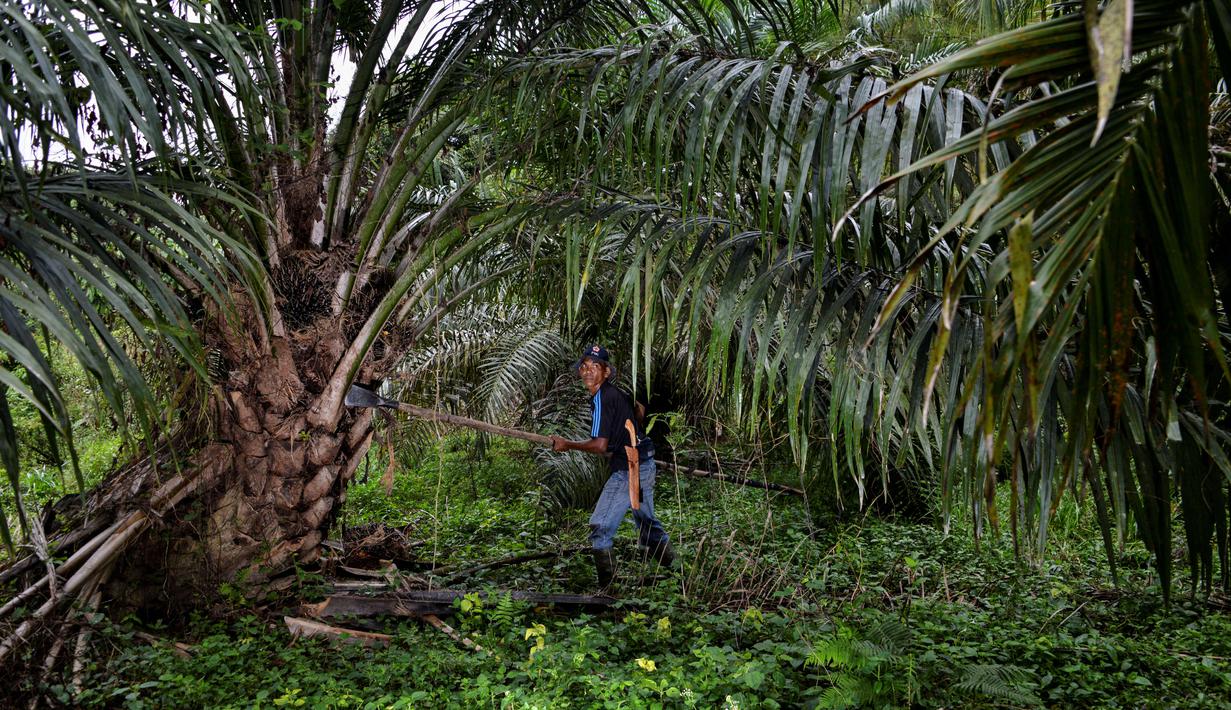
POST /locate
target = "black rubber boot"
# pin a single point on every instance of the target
(604, 567)
(664, 554)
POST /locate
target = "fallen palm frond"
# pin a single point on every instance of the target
(94, 561)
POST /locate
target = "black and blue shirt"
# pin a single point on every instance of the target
(609, 409)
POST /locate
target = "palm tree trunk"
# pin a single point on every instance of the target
(283, 492)
(281, 485)
(256, 500)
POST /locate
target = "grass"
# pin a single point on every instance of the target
(771, 608)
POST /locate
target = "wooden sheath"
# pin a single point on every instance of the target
(634, 466)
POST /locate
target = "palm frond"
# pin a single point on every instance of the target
(991, 308)
(1091, 274)
(86, 240)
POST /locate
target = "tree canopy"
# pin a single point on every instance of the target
(906, 250)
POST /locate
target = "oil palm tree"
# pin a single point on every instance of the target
(708, 162)
(96, 238)
(318, 245)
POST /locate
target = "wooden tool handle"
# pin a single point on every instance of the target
(433, 415)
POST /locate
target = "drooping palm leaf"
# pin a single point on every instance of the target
(1092, 272)
(87, 236)
(1006, 349)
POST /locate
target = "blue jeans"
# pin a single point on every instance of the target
(613, 504)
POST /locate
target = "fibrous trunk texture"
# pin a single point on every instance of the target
(280, 479)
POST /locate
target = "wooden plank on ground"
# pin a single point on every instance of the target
(587, 602)
(454, 575)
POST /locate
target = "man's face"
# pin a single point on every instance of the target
(592, 373)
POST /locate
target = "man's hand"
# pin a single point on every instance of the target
(558, 444)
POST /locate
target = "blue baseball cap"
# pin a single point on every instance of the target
(597, 353)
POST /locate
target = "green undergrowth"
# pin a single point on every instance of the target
(768, 609)
(46, 473)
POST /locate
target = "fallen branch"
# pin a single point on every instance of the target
(90, 573)
(179, 648)
(307, 629)
(750, 482)
(22, 565)
(364, 606)
(359, 585)
(49, 665)
(451, 633)
(374, 606)
(111, 544)
(83, 641)
(67, 566)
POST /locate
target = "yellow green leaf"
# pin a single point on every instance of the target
(1021, 265)
(1110, 40)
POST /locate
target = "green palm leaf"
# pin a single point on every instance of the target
(83, 242)
(1105, 256)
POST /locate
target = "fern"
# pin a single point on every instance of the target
(847, 692)
(505, 612)
(863, 670)
(890, 636)
(1004, 682)
(835, 652)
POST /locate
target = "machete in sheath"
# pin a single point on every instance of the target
(634, 466)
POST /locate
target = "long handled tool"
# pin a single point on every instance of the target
(360, 397)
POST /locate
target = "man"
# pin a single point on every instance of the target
(617, 431)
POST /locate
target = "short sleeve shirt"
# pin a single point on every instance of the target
(610, 409)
